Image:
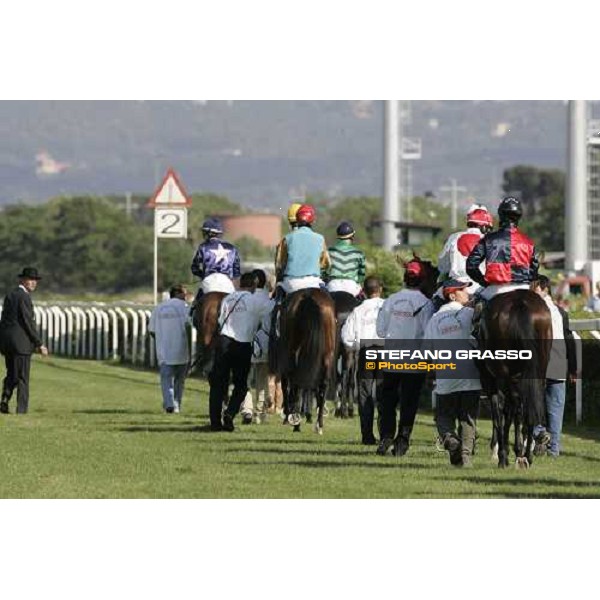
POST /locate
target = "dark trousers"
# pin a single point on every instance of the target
(464, 408)
(232, 359)
(17, 376)
(369, 397)
(407, 389)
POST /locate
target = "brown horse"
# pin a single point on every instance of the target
(517, 320)
(205, 317)
(305, 350)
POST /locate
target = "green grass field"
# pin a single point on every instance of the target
(97, 431)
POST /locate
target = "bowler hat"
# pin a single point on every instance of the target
(29, 273)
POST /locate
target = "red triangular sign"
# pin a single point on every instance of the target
(170, 192)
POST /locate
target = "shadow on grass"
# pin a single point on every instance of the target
(115, 376)
(113, 411)
(526, 482)
(320, 464)
(166, 429)
(300, 451)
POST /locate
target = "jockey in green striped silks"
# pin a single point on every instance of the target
(348, 263)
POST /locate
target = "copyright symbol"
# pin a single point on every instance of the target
(370, 366)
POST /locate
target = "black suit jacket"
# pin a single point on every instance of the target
(18, 332)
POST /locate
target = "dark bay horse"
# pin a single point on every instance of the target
(517, 320)
(205, 317)
(343, 381)
(304, 350)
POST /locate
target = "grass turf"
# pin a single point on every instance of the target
(96, 430)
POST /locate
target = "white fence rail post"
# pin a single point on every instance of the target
(114, 319)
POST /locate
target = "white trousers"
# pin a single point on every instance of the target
(217, 282)
(344, 285)
(493, 290)
(293, 284)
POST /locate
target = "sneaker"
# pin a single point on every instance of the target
(541, 440)
(384, 445)
(176, 409)
(228, 423)
(246, 420)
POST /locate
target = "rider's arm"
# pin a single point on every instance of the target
(324, 261)
(476, 257)
(534, 265)
(198, 263)
(281, 258)
(362, 269)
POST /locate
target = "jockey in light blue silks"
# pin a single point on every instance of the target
(216, 262)
(303, 254)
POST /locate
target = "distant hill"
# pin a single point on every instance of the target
(264, 152)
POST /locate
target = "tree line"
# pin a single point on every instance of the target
(90, 244)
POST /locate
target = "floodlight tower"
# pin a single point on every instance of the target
(576, 213)
(391, 212)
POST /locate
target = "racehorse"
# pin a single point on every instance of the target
(304, 351)
(205, 318)
(517, 320)
(343, 381)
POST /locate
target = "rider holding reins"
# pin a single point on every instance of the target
(511, 259)
(452, 260)
(216, 262)
(348, 263)
(291, 216)
(302, 254)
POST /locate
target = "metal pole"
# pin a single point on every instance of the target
(155, 263)
(390, 213)
(453, 223)
(576, 218)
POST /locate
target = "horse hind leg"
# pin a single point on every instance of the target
(295, 401)
(521, 461)
(497, 403)
(529, 446)
(320, 407)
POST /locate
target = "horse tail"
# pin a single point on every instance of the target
(530, 384)
(307, 344)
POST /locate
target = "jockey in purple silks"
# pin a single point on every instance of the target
(216, 262)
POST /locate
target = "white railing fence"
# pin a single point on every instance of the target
(99, 331)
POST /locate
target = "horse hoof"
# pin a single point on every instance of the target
(294, 419)
(318, 430)
(522, 463)
(297, 428)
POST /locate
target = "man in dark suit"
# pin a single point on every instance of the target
(19, 339)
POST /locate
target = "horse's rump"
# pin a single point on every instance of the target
(310, 338)
(520, 320)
